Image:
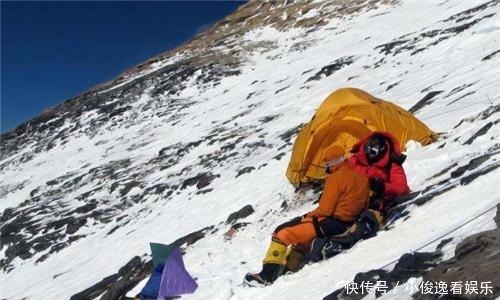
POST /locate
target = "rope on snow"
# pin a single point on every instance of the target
(445, 234)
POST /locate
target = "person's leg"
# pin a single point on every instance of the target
(329, 228)
(332, 226)
(292, 222)
(275, 261)
(303, 232)
(297, 235)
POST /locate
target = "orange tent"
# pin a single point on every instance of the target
(346, 116)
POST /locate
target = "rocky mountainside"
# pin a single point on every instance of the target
(186, 144)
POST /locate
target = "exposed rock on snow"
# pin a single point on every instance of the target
(477, 259)
(117, 285)
(240, 214)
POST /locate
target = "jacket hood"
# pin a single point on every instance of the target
(393, 153)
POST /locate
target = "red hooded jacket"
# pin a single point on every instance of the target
(388, 169)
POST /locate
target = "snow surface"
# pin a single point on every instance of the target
(220, 264)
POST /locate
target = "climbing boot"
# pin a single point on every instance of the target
(273, 265)
(265, 277)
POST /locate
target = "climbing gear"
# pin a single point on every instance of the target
(276, 253)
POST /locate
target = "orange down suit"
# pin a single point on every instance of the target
(345, 196)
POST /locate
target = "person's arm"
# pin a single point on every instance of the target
(397, 184)
(329, 198)
(352, 160)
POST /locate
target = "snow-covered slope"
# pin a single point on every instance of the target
(176, 145)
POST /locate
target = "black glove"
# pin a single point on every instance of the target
(377, 186)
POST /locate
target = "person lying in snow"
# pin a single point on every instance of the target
(345, 196)
(378, 156)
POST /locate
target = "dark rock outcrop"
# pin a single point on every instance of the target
(245, 170)
(477, 259)
(424, 101)
(332, 68)
(201, 180)
(489, 56)
(240, 214)
(117, 285)
(409, 265)
(482, 131)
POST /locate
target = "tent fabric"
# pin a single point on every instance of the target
(150, 290)
(346, 116)
(169, 276)
(160, 252)
(175, 279)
